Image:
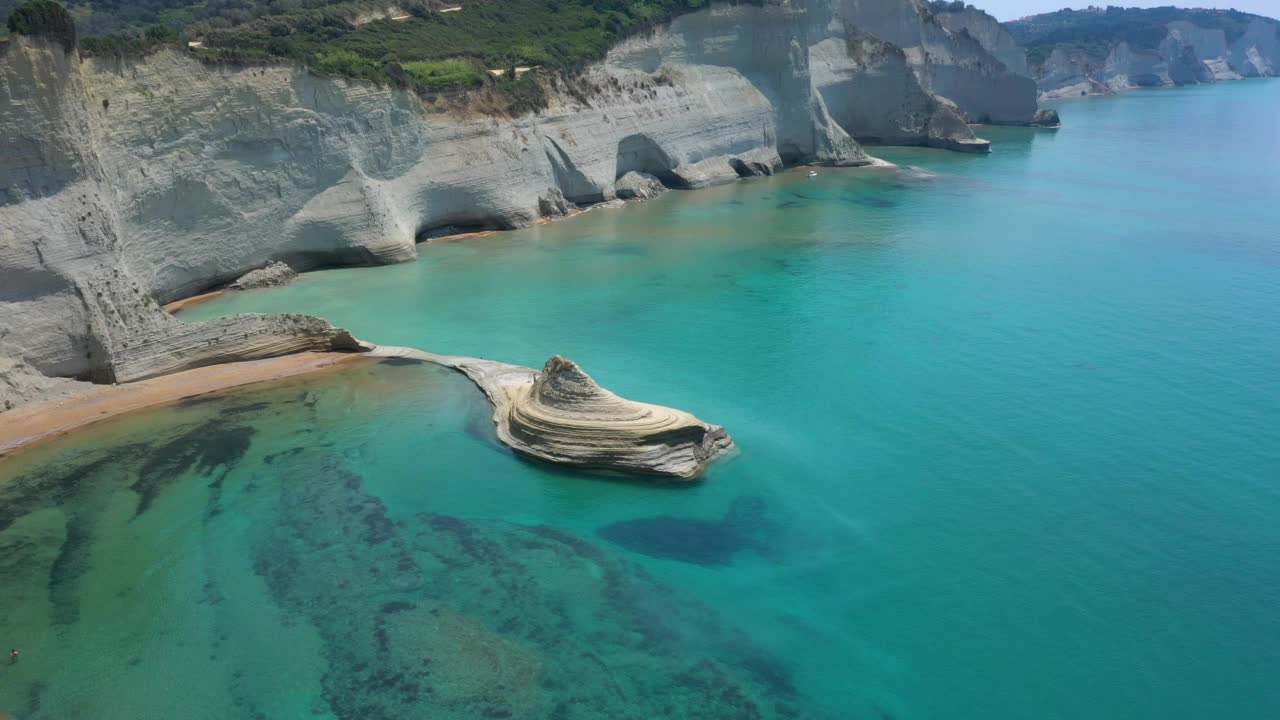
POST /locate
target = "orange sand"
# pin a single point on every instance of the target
(30, 424)
(184, 303)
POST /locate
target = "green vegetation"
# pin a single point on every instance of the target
(427, 50)
(43, 17)
(1095, 31)
(347, 64)
(443, 73)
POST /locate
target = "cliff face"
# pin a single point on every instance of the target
(1188, 54)
(953, 65)
(127, 183)
(1257, 53)
(70, 302)
(847, 72)
(989, 33)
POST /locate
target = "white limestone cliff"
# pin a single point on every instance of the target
(71, 303)
(989, 33)
(953, 65)
(1257, 52)
(1187, 55)
(847, 72)
(1209, 46)
(129, 183)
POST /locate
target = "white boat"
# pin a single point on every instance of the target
(813, 173)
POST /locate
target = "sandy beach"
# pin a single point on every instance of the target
(187, 302)
(30, 424)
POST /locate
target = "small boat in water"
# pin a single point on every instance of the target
(813, 173)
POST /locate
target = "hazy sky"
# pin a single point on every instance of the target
(1010, 9)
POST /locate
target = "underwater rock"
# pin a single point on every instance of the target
(211, 448)
(685, 539)
(561, 415)
(500, 621)
(692, 540)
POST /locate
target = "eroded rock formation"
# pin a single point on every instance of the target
(561, 415)
(638, 186)
(565, 417)
(274, 274)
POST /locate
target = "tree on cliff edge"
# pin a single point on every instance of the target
(44, 17)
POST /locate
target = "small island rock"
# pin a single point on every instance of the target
(274, 274)
(638, 186)
(1046, 118)
(561, 415)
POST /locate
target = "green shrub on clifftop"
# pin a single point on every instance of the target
(441, 55)
(44, 17)
(348, 64)
(443, 73)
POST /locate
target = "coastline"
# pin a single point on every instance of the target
(1059, 95)
(178, 305)
(29, 425)
(873, 163)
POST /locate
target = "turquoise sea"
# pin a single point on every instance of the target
(1008, 429)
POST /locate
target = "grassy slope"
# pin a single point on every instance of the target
(487, 33)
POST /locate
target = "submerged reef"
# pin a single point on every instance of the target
(693, 540)
(395, 615)
(443, 617)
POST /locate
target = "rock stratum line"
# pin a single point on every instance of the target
(563, 416)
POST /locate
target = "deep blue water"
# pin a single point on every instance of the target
(1013, 423)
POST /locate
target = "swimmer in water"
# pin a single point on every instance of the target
(13, 656)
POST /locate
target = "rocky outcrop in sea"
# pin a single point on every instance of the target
(562, 415)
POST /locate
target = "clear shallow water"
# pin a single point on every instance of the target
(1014, 420)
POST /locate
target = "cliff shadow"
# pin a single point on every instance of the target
(639, 153)
(573, 183)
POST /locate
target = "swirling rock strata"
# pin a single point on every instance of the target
(561, 415)
(564, 416)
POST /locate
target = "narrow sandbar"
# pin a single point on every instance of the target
(30, 424)
(187, 302)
